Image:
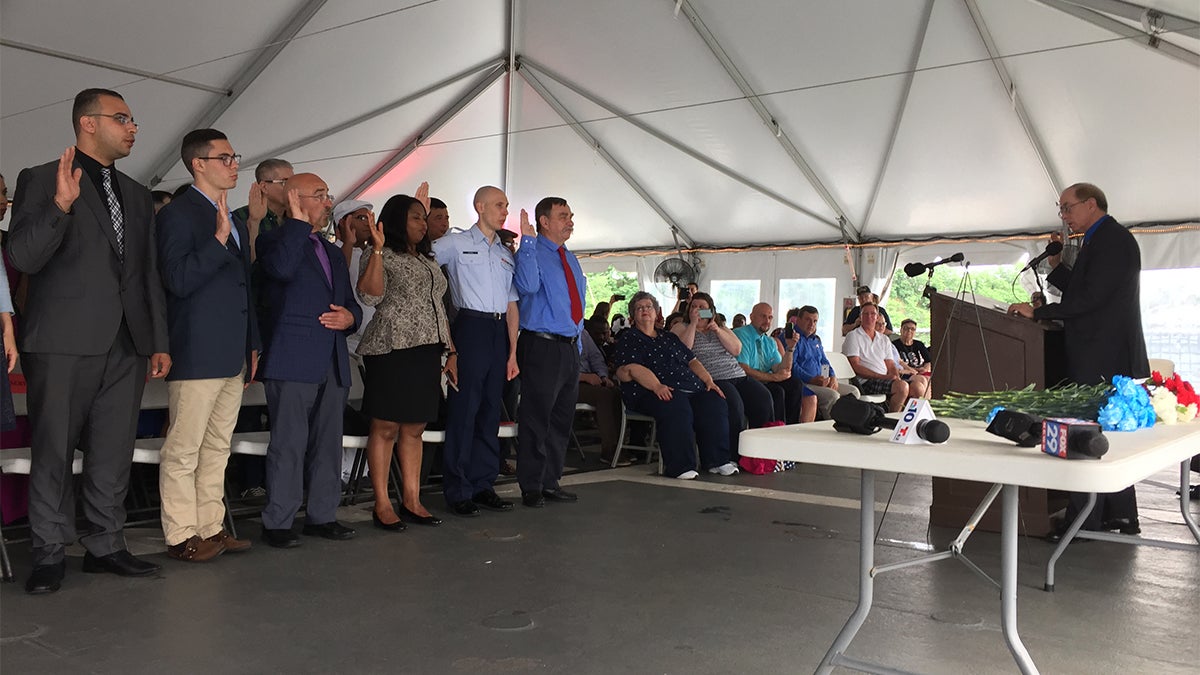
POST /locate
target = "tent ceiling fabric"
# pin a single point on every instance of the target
(641, 80)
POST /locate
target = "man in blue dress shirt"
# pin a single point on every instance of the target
(551, 286)
(480, 269)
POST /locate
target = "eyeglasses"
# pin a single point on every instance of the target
(119, 118)
(274, 181)
(644, 307)
(319, 197)
(227, 160)
(1064, 209)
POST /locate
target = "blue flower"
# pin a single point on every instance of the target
(1128, 407)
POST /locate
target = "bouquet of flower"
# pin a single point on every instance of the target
(1124, 405)
(1173, 398)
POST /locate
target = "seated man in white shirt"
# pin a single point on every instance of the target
(872, 357)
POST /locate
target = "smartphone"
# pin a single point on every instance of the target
(618, 296)
(684, 294)
(706, 314)
(789, 331)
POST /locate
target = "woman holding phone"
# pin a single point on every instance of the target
(717, 348)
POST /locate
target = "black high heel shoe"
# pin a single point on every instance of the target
(404, 513)
(397, 526)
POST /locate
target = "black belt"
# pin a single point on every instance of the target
(552, 336)
(495, 316)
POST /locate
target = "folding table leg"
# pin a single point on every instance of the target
(1066, 540)
(1008, 580)
(866, 578)
(1184, 505)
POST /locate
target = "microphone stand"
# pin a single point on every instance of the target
(960, 298)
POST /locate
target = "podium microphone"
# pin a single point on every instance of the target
(1052, 249)
(916, 269)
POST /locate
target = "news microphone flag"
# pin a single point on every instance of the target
(915, 413)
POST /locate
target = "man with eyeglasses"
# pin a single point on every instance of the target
(268, 199)
(1102, 321)
(204, 254)
(94, 314)
(306, 365)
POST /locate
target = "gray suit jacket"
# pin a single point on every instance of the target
(79, 289)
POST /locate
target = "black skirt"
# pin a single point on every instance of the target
(403, 385)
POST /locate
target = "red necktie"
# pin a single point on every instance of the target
(572, 288)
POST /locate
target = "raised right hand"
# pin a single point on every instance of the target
(377, 238)
(224, 225)
(527, 229)
(294, 206)
(258, 203)
(66, 184)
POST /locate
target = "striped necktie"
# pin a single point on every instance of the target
(114, 209)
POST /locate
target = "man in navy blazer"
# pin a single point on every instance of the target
(306, 365)
(204, 258)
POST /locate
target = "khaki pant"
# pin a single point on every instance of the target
(191, 476)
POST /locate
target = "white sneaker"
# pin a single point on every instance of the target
(687, 475)
(726, 469)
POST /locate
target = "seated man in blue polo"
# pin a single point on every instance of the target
(810, 364)
(873, 359)
(764, 359)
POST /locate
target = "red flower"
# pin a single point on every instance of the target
(1157, 378)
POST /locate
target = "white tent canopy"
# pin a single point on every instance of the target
(733, 123)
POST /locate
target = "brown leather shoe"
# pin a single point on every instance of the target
(231, 545)
(196, 549)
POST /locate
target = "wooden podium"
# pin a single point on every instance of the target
(967, 337)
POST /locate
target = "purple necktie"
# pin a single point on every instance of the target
(323, 256)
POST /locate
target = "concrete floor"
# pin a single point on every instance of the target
(749, 574)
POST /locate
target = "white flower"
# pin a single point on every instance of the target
(1165, 404)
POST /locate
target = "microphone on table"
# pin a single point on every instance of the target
(1052, 249)
(1062, 437)
(916, 269)
(850, 415)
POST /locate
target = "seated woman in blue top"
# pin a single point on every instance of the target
(662, 378)
(717, 348)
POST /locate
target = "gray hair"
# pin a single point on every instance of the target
(638, 297)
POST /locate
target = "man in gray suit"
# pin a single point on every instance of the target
(95, 311)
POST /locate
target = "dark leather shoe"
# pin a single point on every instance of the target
(1123, 525)
(490, 500)
(559, 495)
(46, 578)
(465, 508)
(533, 499)
(280, 538)
(122, 563)
(331, 530)
(411, 517)
(397, 526)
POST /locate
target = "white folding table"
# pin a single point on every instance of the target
(970, 454)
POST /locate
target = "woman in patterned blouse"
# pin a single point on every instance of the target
(402, 349)
(717, 348)
(662, 378)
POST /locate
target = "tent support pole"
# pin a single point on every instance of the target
(710, 163)
(273, 47)
(676, 231)
(1083, 10)
(1010, 88)
(769, 119)
(413, 143)
(489, 67)
(509, 90)
(901, 106)
(107, 65)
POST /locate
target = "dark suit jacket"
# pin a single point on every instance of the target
(299, 348)
(210, 313)
(79, 289)
(1100, 308)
